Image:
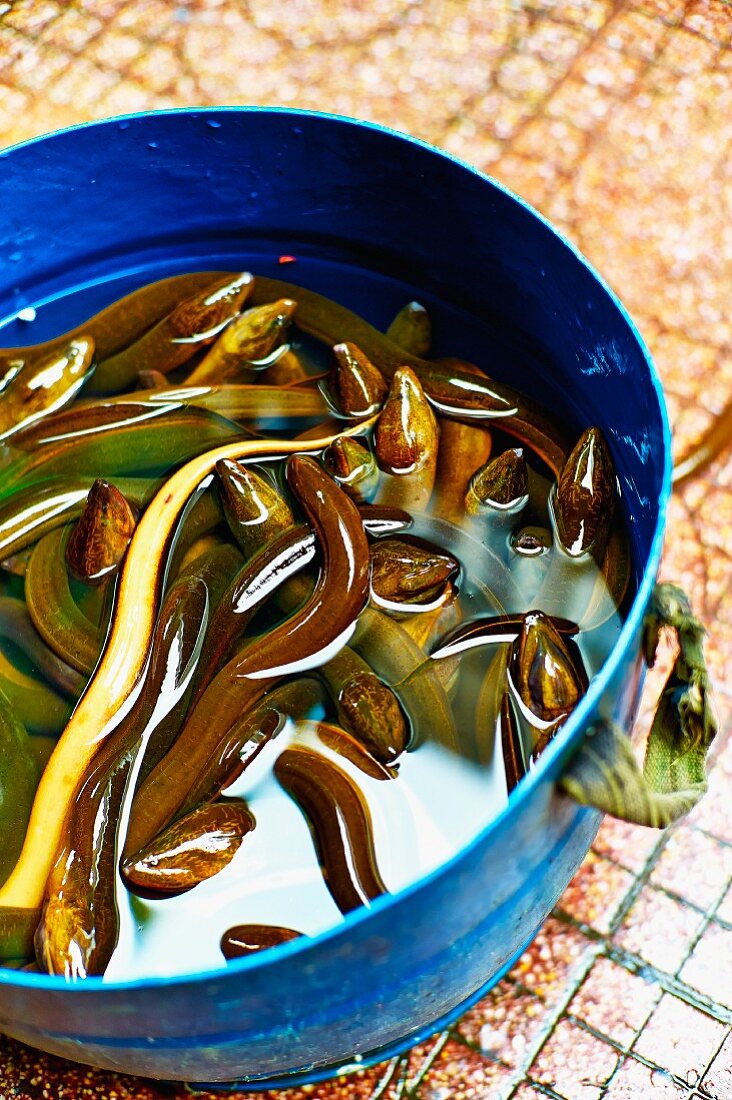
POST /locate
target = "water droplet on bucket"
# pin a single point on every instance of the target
(27, 314)
(212, 122)
(123, 125)
(152, 144)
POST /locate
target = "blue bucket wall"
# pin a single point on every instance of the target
(100, 209)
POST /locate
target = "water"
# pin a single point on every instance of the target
(437, 804)
(441, 799)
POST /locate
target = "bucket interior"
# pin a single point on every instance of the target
(372, 220)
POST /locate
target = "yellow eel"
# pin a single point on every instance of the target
(122, 661)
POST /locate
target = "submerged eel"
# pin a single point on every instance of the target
(340, 594)
(122, 662)
(455, 387)
(118, 324)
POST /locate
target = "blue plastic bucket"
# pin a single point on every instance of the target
(373, 219)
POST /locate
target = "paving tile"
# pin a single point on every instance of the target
(459, 140)
(81, 83)
(541, 184)
(717, 1081)
(146, 19)
(157, 68)
(596, 892)
(304, 24)
(714, 811)
(15, 130)
(565, 140)
(694, 368)
(36, 69)
(579, 102)
(526, 76)
(12, 102)
(709, 967)
(709, 18)
(505, 1024)
(628, 845)
(636, 33)
(692, 365)
(670, 12)
(33, 16)
(526, 1092)
(601, 67)
(106, 10)
(584, 13)
(636, 1081)
(637, 173)
(459, 1074)
(690, 53)
(724, 911)
(574, 1063)
(614, 1001)
(116, 48)
(556, 42)
(502, 116)
(73, 29)
(659, 929)
(557, 958)
(694, 866)
(681, 1039)
(12, 46)
(123, 97)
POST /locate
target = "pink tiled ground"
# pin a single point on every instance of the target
(574, 1063)
(694, 866)
(614, 117)
(614, 1001)
(680, 1038)
(709, 967)
(724, 911)
(597, 893)
(635, 1079)
(659, 929)
(717, 1082)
